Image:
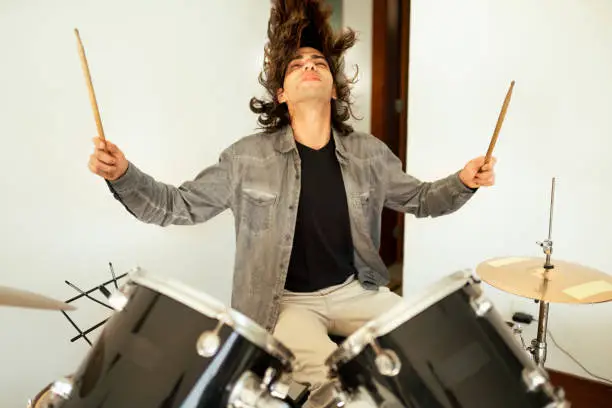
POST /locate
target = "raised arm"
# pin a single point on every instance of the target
(154, 202)
(405, 193)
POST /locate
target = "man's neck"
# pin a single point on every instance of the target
(311, 124)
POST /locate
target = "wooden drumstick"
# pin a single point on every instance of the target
(92, 95)
(500, 120)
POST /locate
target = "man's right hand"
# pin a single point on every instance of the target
(107, 160)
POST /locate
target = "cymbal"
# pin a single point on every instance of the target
(22, 298)
(565, 283)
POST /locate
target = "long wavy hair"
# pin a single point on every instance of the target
(303, 23)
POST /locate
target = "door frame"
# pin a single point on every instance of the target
(389, 109)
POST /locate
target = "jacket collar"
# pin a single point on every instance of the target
(284, 142)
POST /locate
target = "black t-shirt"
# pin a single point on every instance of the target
(322, 253)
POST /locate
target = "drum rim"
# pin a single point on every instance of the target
(405, 310)
(210, 306)
(32, 403)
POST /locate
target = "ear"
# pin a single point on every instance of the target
(334, 93)
(280, 95)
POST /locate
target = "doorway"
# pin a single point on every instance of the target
(390, 58)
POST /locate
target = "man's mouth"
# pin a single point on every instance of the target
(310, 77)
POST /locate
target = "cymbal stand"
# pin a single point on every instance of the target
(538, 345)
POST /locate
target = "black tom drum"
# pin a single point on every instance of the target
(444, 348)
(171, 346)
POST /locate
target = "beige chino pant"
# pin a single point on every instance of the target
(306, 319)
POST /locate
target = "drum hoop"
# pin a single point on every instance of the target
(209, 306)
(38, 397)
(397, 315)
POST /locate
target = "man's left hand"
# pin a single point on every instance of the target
(478, 174)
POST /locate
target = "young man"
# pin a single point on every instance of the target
(307, 195)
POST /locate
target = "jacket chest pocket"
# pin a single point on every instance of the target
(361, 202)
(257, 209)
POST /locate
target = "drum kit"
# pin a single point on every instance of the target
(168, 345)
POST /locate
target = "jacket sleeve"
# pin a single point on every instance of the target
(194, 201)
(407, 194)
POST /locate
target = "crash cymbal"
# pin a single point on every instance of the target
(565, 283)
(22, 298)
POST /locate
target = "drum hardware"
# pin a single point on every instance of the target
(248, 370)
(209, 342)
(40, 399)
(117, 299)
(53, 394)
(269, 377)
(473, 351)
(250, 392)
(539, 343)
(387, 362)
(62, 388)
(278, 383)
(533, 379)
(481, 305)
(546, 282)
(517, 330)
(279, 390)
(357, 398)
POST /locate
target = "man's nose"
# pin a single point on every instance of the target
(309, 65)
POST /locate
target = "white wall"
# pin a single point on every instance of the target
(173, 81)
(463, 57)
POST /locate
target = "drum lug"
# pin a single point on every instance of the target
(249, 392)
(60, 390)
(119, 299)
(387, 362)
(280, 388)
(481, 305)
(269, 376)
(533, 379)
(209, 341)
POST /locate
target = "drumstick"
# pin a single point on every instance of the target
(500, 120)
(92, 95)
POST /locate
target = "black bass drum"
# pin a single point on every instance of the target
(445, 348)
(171, 346)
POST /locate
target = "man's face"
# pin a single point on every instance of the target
(307, 78)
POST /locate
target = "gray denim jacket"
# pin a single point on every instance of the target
(258, 178)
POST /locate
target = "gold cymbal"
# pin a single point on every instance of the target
(565, 283)
(22, 298)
